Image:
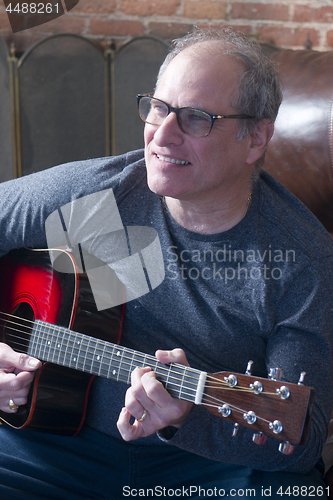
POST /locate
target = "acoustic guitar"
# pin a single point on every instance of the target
(52, 316)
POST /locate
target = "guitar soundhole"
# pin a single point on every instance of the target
(18, 327)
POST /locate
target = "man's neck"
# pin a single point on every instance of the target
(210, 218)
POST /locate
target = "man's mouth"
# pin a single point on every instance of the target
(172, 160)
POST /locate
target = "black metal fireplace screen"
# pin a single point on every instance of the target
(65, 99)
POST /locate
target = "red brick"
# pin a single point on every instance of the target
(259, 11)
(287, 37)
(205, 10)
(107, 27)
(150, 7)
(63, 24)
(169, 31)
(96, 6)
(330, 38)
(304, 14)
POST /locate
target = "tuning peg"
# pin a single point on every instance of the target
(231, 380)
(301, 378)
(276, 426)
(283, 392)
(250, 417)
(275, 374)
(235, 430)
(249, 368)
(224, 410)
(256, 387)
(286, 448)
(259, 438)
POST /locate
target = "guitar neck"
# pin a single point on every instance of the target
(64, 347)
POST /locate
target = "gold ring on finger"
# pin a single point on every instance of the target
(12, 405)
(143, 416)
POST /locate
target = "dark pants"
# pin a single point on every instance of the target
(94, 466)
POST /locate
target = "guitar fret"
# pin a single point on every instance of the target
(66, 353)
(108, 375)
(33, 345)
(87, 361)
(67, 358)
(44, 341)
(102, 357)
(137, 361)
(120, 374)
(43, 344)
(75, 348)
(56, 346)
(115, 363)
(91, 349)
(131, 368)
(102, 361)
(167, 378)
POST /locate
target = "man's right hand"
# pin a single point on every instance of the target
(16, 375)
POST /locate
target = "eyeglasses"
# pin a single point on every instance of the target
(191, 121)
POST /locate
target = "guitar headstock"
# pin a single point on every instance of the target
(269, 406)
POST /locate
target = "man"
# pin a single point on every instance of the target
(247, 274)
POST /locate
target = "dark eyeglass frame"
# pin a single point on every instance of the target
(178, 110)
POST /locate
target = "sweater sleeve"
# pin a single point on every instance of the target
(25, 203)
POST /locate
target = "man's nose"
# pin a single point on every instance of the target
(169, 131)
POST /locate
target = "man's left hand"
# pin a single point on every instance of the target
(149, 403)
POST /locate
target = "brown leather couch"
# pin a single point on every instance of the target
(300, 154)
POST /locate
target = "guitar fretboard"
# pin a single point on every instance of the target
(64, 347)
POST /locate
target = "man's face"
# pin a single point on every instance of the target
(203, 78)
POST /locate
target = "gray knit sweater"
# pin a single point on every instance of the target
(261, 291)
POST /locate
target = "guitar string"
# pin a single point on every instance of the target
(221, 385)
(151, 364)
(116, 347)
(208, 397)
(119, 347)
(55, 328)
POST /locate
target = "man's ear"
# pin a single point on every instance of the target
(259, 139)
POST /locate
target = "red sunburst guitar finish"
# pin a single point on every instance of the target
(32, 289)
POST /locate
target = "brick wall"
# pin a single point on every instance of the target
(286, 23)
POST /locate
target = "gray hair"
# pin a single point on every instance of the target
(259, 93)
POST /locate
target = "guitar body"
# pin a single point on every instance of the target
(32, 289)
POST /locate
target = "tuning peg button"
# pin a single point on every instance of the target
(286, 448)
(249, 367)
(259, 438)
(235, 430)
(301, 378)
(275, 373)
